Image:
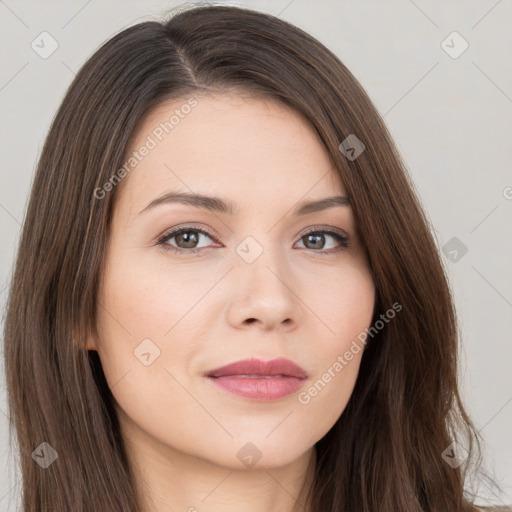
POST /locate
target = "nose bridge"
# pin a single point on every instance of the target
(264, 292)
(261, 257)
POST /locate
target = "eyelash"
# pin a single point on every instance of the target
(342, 239)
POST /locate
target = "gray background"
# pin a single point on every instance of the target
(450, 117)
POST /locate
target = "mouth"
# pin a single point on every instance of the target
(259, 380)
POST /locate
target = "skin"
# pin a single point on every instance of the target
(183, 433)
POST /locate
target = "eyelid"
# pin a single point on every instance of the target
(323, 227)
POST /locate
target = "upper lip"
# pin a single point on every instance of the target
(253, 366)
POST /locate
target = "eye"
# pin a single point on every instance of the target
(317, 239)
(187, 239)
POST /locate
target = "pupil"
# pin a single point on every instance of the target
(188, 239)
(319, 238)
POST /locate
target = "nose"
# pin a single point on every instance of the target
(264, 294)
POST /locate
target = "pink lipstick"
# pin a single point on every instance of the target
(259, 380)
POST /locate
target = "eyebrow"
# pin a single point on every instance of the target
(216, 204)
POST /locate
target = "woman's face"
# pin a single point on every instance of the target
(253, 285)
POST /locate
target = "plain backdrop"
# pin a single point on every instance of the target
(446, 98)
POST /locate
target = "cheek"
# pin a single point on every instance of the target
(344, 304)
(346, 316)
(146, 321)
(135, 354)
(146, 297)
(322, 401)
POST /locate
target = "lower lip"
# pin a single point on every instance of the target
(262, 389)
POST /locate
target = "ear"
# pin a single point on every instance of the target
(88, 343)
(91, 343)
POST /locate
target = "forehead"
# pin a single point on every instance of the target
(238, 147)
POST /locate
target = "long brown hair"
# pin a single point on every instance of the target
(385, 451)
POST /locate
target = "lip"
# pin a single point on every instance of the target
(259, 380)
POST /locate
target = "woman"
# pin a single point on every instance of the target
(227, 296)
